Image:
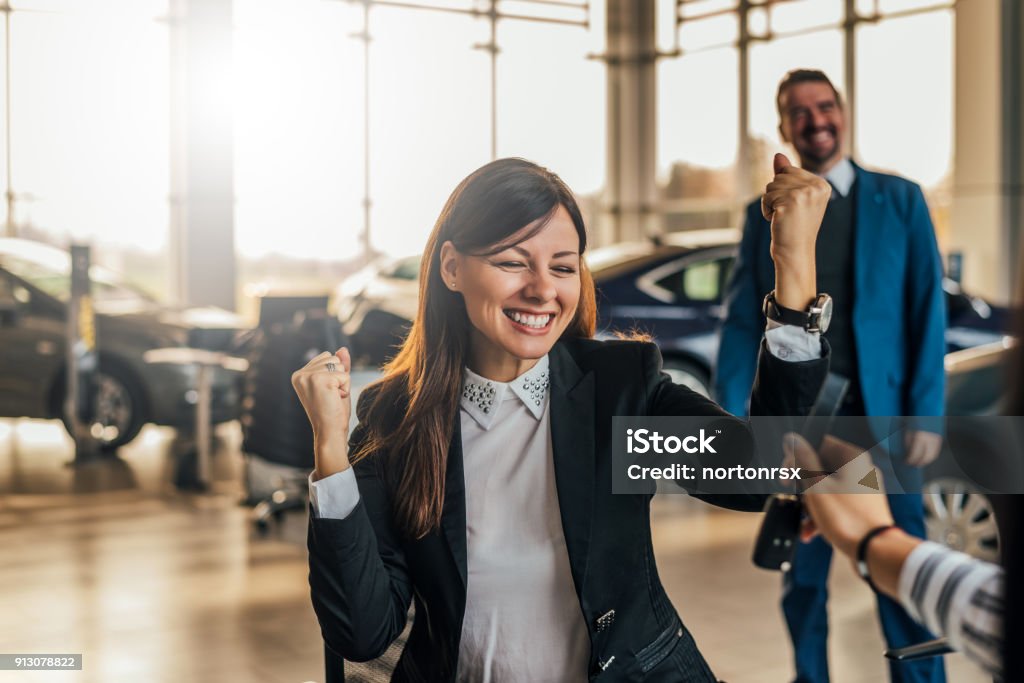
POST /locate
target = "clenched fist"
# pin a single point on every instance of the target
(324, 387)
(795, 203)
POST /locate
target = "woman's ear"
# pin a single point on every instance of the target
(450, 265)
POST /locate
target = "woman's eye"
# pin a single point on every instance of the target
(510, 264)
(566, 269)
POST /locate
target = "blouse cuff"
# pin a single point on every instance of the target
(791, 343)
(335, 496)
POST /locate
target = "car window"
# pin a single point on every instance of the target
(407, 269)
(57, 281)
(700, 281)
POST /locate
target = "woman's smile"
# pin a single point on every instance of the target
(528, 322)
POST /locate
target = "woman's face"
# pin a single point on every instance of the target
(519, 300)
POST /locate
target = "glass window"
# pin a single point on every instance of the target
(298, 112)
(693, 8)
(90, 151)
(698, 134)
(552, 101)
(702, 281)
(905, 97)
(407, 269)
(711, 32)
(769, 62)
(887, 6)
(430, 118)
(145, 9)
(803, 14)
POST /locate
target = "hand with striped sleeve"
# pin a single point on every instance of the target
(950, 593)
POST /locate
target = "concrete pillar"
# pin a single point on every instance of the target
(987, 181)
(202, 239)
(631, 193)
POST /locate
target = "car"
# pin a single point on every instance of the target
(671, 288)
(375, 306)
(674, 288)
(129, 391)
(960, 511)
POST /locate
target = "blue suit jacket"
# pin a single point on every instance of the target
(899, 312)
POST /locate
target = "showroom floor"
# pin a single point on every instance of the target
(152, 585)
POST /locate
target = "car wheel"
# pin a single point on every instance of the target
(118, 413)
(688, 374)
(959, 517)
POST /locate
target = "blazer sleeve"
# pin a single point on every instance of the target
(926, 319)
(781, 388)
(358, 577)
(744, 324)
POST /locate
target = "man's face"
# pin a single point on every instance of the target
(814, 123)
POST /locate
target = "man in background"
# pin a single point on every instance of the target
(878, 259)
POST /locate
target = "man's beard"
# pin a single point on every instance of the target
(811, 153)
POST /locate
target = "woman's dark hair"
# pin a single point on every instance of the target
(410, 419)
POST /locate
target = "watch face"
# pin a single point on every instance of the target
(825, 303)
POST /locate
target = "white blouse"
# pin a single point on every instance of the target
(523, 621)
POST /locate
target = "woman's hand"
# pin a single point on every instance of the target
(324, 388)
(795, 203)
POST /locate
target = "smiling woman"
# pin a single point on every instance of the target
(479, 482)
(520, 298)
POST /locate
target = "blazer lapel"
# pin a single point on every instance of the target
(870, 231)
(572, 440)
(453, 514)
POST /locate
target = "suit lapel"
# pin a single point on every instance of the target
(869, 230)
(572, 441)
(453, 514)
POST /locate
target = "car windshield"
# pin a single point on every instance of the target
(49, 269)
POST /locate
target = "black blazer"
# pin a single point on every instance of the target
(363, 573)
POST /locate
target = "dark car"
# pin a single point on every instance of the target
(130, 391)
(674, 291)
(671, 289)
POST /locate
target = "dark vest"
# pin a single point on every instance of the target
(834, 253)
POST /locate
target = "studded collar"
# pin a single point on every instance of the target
(482, 397)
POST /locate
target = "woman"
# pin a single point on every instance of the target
(478, 480)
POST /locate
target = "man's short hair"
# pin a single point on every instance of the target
(803, 76)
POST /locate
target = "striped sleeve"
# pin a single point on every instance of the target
(959, 597)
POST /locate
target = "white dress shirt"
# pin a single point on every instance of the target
(523, 621)
(841, 176)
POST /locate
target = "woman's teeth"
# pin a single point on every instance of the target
(534, 321)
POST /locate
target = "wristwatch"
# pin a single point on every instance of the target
(815, 319)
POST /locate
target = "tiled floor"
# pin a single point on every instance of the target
(152, 585)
